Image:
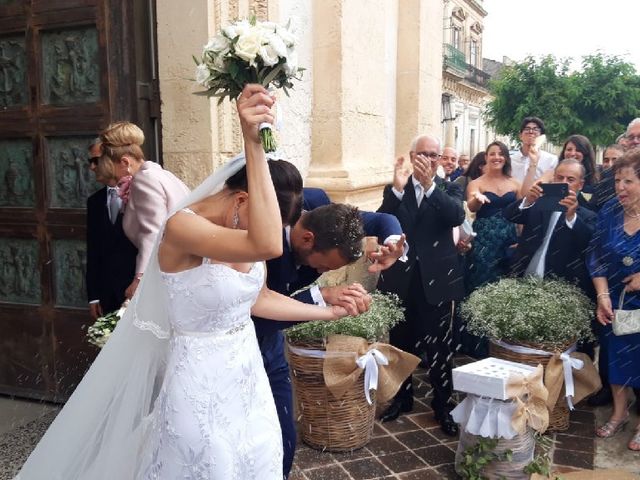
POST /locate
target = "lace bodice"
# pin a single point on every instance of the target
(212, 297)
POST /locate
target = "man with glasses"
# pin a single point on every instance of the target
(431, 280)
(529, 159)
(111, 257)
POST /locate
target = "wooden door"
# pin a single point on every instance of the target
(67, 69)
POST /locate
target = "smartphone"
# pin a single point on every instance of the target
(552, 193)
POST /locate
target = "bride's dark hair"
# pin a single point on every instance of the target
(287, 182)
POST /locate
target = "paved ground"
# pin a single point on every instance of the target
(410, 448)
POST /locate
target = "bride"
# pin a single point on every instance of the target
(180, 390)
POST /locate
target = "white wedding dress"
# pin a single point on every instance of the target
(215, 417)
(179, 391)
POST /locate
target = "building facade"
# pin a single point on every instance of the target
(464, 82)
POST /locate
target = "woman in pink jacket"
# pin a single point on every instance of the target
(148, 192)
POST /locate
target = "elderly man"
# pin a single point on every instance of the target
(428, 208)
(111, 257)
(463, 164)
(554, 242)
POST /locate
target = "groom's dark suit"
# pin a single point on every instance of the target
(429, 281)
(284, 276)
(111, 257)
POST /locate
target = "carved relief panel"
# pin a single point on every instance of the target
(19, 273)
(71, 73)
(70, 179)
(13, 76)
(69, 262)
(16, 174)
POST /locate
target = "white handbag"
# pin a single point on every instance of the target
(625, 322)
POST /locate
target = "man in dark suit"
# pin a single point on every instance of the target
(327, 237)
(428, 209)
(554, 242)
(111, 257)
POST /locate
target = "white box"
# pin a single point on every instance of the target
(488, 377)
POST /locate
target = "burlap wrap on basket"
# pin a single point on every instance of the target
(385, 366)
(532, 411)
(585, 378)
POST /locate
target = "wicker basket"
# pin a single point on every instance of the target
(328, 423)
(522, 448)
(559, 416)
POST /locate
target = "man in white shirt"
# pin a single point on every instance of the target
(529, 158)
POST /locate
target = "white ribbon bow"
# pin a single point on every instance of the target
(369, 363)
(568, 363)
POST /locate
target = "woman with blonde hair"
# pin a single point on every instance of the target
(148, 191)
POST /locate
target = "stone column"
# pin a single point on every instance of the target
(354, 97)
(419, 71)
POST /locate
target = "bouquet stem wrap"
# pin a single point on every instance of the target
(346, 358)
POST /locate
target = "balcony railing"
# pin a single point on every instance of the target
(477, 76)
(454, 58)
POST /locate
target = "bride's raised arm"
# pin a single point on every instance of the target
(236, 226)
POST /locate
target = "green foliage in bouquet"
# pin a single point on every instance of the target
(385, 312)
(100, 331)
(529, 309)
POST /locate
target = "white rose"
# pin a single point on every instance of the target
(218, 44)
(287, 37)
(202, 74)
(270, 27)
(277, 45)
(248, 45)
(269, 55)
(236, 29)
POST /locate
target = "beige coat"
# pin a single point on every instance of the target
(154, 194)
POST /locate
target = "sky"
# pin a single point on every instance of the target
(564, 28)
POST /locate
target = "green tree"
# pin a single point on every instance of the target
(607, 97)
(597, 101)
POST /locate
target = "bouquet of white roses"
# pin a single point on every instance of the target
(244, 52)
(101, 330)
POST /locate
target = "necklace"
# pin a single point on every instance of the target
(637, 215)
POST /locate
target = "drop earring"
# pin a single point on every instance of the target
(236, 218)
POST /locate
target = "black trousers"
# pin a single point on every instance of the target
(426, 329)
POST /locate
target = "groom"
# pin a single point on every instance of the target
(326, 237)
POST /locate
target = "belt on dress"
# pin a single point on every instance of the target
(216, 333)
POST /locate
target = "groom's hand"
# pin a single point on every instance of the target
(386, 255)
(353, 298)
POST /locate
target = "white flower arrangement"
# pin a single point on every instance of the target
(244, 52)
(529, 309)
(100, 331)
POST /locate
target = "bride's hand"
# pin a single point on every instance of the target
(254, 107)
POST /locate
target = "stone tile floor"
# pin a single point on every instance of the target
(410, 448)
(414, 448)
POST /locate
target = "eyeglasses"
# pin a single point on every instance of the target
(431, 155)
(94, 160)
(633, 138)
(531, 130)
